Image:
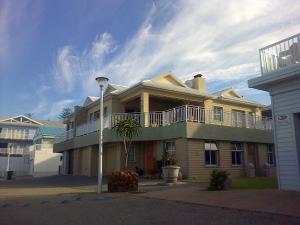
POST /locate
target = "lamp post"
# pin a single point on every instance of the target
(102, 82)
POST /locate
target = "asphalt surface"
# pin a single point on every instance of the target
(114, 209)
(126, 209)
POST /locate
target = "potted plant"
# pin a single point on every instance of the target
(170, 169)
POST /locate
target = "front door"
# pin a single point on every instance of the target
(149, 158)
(70, 161)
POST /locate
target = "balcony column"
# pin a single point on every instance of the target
(145, 108)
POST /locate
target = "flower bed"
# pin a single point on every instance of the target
(123, 181)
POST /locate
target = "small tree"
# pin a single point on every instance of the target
(127, 129)
(64, 114)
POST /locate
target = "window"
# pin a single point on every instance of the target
(251, 119)
(211, 154)
(91, 117)
(0, 129)
(218, 113)
(131, 154)
(105, 112)
(96, 115)
(237, 150)
(271, 154)
(170, 147)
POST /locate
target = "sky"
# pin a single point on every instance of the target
(51, 51)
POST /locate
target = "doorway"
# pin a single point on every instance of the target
(70, 161)
(149, 158)
(252, 157)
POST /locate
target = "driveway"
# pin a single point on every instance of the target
(87, 208)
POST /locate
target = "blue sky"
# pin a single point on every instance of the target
(51, 51)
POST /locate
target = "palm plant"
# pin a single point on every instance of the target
(127, 129)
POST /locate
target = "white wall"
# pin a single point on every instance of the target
(46, 162)
(286, 101)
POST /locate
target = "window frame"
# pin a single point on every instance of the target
(237, 151)
(131, 151)
(272, 153)
(218, 113)
(171, 152)
(211, 150)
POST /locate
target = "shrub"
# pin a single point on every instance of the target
(219, 180)
(122, 181)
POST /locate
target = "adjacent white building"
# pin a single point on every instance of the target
(280, 68)
(26, 146)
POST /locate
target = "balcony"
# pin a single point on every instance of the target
(16, 135)
(280, 55)
(11, 151)
(186, 113)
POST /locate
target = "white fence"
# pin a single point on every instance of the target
(280, 54)
(186, 113)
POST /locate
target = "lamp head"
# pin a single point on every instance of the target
(102, 81)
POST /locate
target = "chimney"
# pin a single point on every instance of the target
(199, 83)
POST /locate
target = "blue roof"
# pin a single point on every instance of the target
(50, 131)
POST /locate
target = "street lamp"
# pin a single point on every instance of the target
(102, 82)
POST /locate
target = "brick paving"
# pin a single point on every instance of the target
(266, 200)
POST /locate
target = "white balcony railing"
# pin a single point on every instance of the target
(14, 135)
(11, 151)
(184, 113)
(282, 54)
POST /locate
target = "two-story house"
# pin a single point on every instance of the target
(204, 131)
(26, 146)
(280, 75)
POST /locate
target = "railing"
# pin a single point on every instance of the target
(39, 147)
(186, 113)
(11, 151)
(8, 134)
(280, 55)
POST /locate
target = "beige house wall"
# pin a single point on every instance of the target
(196, 159)
(181, 155)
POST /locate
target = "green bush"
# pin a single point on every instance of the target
(219, 180)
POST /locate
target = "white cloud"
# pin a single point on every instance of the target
(217, 38)
(73, 67)
(17, 24)
(58, 106)
(42, 100)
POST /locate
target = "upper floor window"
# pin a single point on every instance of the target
(105, 111)
(96, 115)
(271, 154)
(237, 150)
(218, 113)
(211, 154)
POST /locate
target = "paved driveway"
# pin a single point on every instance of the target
(87, 208)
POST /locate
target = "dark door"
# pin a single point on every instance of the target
(149, 157)
(70, 162)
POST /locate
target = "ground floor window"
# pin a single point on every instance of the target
(237, 150)
(211, 154)
(170, 148)
(271, 154)
(131, 154)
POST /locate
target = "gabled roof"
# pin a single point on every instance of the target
(115, 88)
(89, 100)
(168, 78)
(228, 92)
(21, 119)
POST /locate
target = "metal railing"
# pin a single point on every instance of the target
(282, 54)
(186, 113)
(39, 147)
(11, 151)
(10, 134)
